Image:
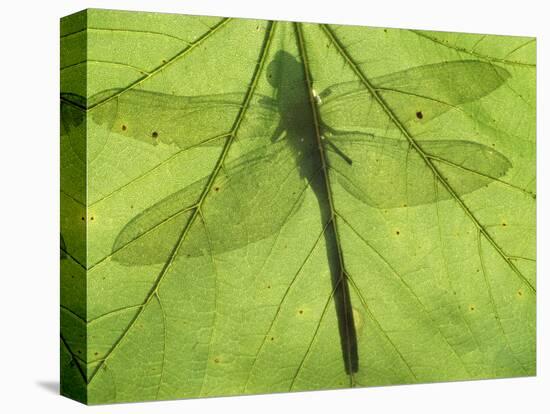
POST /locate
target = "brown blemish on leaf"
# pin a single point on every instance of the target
(155, 134)
(419, 114)
(216, 360)
(301, 311)
(124, 127)
(472, 308)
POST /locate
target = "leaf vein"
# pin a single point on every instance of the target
(471, 52)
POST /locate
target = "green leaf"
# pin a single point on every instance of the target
(253, 206)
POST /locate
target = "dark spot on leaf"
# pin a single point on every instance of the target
(272, 338)
(504, 224)
(124, 127)
(216, 188)
(385, 30)
(96, 353)
(216, 360)
(397, 232)
(91, 218)
(155, 134)
(83, 219)
(78, 352)
(268, 286)
(472, 308)
(419, 114)
(404, 205)
(520, 293)
(300, 311)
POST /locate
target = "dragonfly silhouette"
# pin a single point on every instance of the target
(277, 157)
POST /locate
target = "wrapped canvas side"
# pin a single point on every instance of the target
(74, 216)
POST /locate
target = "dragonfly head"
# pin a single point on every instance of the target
(283, 70)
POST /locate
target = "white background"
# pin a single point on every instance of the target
(29, 164)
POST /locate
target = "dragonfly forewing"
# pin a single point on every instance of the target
(415, 95)
(157, 118)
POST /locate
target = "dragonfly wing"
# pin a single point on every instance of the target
(151, 235)
(389, 173)
(73, 128)
(416, 95)
(264, 179)
(256, 199)
(155, 118)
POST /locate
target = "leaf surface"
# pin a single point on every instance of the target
(279, 206)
